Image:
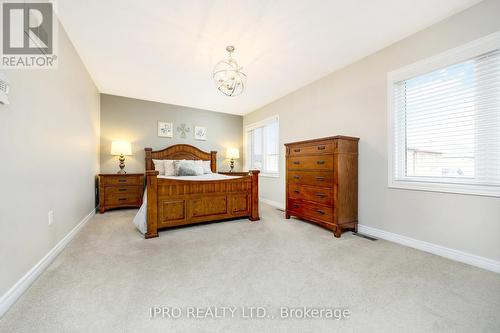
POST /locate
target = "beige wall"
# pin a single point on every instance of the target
(136, 121)
(352, 101)
(49, 144)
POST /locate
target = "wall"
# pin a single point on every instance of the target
(49, 148)
(136, 121)
(352, 101)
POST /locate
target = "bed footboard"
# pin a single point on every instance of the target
(152, 203)
(172, 202)
(255, 195)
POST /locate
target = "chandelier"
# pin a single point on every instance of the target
(228, 77)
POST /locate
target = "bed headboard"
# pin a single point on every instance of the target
(180, 152)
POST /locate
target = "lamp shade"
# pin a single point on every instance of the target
(232, 153)
(121, 147)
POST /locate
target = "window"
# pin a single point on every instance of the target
(262, 146)
(445, 121)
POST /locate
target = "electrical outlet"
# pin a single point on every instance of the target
(51, 217)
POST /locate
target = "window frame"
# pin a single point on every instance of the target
(456, 55)
(246, 144)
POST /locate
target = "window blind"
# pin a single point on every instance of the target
(263, 146)
(447, 124)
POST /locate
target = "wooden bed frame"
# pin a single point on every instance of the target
(172, 202)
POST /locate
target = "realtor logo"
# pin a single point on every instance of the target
(28, 35)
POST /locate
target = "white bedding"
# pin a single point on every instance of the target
(140, 220)
(209, 176)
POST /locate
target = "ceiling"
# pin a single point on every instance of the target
(165, 50)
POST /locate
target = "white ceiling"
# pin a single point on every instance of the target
(165, 50)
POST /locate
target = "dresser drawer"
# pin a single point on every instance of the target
(127, 189)
(310, 210)
(314, 194)
(321, 148)
(121, 199)
(315, 162)
(122, 180)
(313, 178)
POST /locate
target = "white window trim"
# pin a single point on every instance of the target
(252, 126)
(450, 57)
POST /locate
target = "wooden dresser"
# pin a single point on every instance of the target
(322, 182)
(120, 190)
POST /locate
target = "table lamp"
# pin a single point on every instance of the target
(232, 153)
(121, 148)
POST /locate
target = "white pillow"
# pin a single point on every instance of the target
(169, 167)
(159, 166)
(199, 167)
(206, 167)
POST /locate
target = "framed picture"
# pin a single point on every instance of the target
(165, 130)
(200, 133)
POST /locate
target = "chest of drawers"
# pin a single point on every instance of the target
(120, 190)
(322, 182)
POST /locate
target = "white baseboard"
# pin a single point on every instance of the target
(11, 296)
(467, 258)
(273, 203)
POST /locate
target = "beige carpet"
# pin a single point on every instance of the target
(109, 277)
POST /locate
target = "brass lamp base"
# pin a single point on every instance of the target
(122, 165)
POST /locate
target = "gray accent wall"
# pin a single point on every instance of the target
(352, 101)
(136, 121)
(49, 148)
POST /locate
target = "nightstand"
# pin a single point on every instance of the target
(120, 190)
(235, 173)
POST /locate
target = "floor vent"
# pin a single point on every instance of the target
(364, 236)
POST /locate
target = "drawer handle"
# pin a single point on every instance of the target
(321, 147)
(122, 189)
(296, 206)
(320, 179)
(296, 177)
(320, 162)
(296, 162)
(122, 180)
(321, 195)
(296, 191)
(320, 212)
(122, 199)
(297, 150)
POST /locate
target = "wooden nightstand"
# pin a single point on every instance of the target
(120, 190)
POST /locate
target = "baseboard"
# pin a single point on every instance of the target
(13, 294)
(467, 258)
(273, 203)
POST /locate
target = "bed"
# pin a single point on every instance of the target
(175, 201)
